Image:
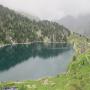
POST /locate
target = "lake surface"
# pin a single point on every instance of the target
(34, 61)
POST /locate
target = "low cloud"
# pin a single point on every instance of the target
(49, 9)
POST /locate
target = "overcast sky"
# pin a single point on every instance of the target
(50, 9)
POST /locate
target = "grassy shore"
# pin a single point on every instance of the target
(77, 76)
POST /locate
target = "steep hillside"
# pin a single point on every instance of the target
(80, 24)
(15, 28)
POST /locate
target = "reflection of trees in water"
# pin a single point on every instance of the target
(12, 55)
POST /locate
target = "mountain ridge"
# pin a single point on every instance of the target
(16, 28)
(78, 24)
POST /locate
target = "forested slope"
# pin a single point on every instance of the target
(15, 28)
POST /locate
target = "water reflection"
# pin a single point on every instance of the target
(13, 55)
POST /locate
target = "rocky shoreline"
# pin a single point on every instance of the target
(3, 45)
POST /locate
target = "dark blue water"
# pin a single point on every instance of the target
(23, 62)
